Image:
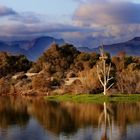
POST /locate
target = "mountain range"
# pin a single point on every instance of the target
(34, 48)
(31, 48)
(131, 47)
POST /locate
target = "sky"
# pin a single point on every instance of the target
(85, 23)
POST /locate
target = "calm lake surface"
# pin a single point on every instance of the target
(36, 119)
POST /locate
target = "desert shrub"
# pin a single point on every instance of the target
(59, 75)
(69, 51)
(35, 68)
(133, 67)
(94, 57)
(90, 82)
(12, 64)
(123, 62)
(55, 82)
(71, 74)
(4, 86)
(92, 62)
(79, 66)
(128, 60)
(18, 63)
(84, 56)
(128, 81)
(21, 86)
(41, 83)
(58, 59)
(121, 54)
(118, 63)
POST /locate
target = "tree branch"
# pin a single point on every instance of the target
(102, 71)
(110, 86)
(108, 73)
(99, 76)
(110, 79)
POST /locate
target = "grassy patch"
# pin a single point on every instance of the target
(98, 98)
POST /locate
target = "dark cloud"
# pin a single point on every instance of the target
(5, 11)
(23, 30)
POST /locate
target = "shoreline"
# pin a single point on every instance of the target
(94, 98)
(83, 98)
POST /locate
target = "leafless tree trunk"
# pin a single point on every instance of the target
(104, 72)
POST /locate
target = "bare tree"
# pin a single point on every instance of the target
(104, 72)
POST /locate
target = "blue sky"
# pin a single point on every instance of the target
(51, 8)
(82, 22)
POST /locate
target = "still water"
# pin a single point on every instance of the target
(36, 119)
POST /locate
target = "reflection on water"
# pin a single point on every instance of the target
(36, 119)
(106, 121)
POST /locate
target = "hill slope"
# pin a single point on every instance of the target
(131, 47)
(31, 48)
(34, 48)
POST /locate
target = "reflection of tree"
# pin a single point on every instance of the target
(68, 117)
(54, 117)
(127, 114)
(65, 117)
(12, 111)
(105, 121)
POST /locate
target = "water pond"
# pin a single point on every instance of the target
(37, 119)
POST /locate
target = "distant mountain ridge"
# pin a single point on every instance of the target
(131, 47)
(34, 48)
(31, 48)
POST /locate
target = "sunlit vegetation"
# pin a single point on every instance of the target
(11, 64)
(64, 69)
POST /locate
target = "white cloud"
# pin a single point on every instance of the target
(107, 13)
(116, 20)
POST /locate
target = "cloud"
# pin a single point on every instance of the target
(93, 22)
(27, 25)
(26, 17)
(39, 28)
(5, 11)
(28, 30)
(107, 12)
(116, 21)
